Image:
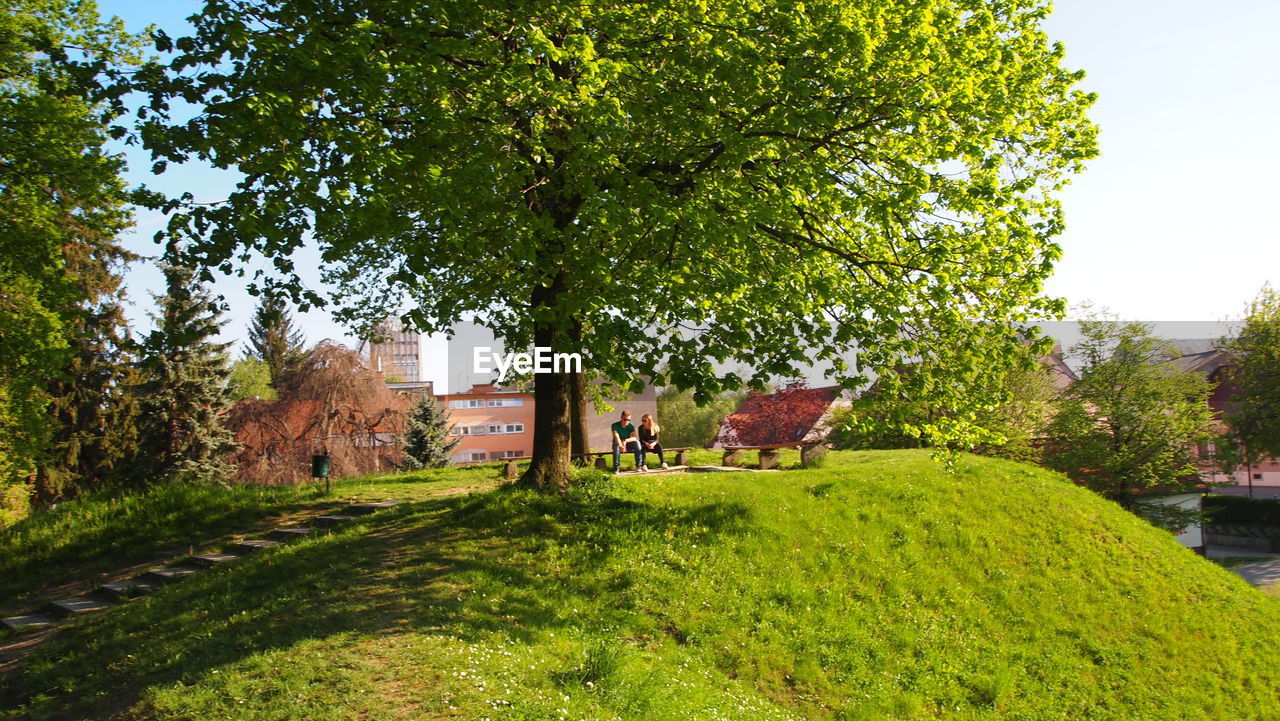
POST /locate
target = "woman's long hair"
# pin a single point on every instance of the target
(653, 425)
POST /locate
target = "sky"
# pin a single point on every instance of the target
(1173, 221)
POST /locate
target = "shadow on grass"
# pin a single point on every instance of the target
(466, 567)
(106, 533)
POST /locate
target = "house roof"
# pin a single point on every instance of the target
(1200, 355)
(786, 416)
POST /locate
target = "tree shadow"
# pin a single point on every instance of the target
(417, 567)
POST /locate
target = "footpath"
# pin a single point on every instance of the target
(109, 594)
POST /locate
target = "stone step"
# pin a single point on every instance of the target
(76, 606)
(288, 534)
(364, 509)
(209, 560)
(256, 544)
(331, 521)
(28, 622)
(125, 590)
(168, 574)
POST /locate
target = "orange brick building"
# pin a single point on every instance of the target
(490, 423)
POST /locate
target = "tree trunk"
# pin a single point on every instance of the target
(552, 438)
(578, 408)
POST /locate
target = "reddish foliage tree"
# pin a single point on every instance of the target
(787, 415)
(332, 404)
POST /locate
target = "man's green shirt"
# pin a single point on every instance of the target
(624, 432)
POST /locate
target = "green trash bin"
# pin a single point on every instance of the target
(320, 466)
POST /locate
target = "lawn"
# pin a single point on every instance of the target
(881, 586)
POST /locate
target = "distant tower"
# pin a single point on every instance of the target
(397, 352)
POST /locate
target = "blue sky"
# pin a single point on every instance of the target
(1175, 220)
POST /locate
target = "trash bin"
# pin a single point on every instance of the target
(320, 466)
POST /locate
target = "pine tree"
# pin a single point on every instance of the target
(426, 438)
(93, 396)
(185, 386)
(274, 340)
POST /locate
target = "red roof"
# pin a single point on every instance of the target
(785, 416)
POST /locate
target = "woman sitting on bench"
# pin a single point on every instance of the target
(649, 441)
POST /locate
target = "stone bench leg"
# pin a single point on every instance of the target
(511, 471)
(682, 458)
(602, 463)
(811, 456)
(732, 458)
(769, 459)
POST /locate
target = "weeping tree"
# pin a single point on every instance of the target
(332, 404)
(654, 184)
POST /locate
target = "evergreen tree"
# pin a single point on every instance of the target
(185, 388)
(274, 340)
(426, 437)
(93, 396)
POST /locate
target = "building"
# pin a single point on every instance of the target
(1203, 356)
(490, 423)
(412, 389)
(397, 353)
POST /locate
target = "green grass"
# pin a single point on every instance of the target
(878, 587)
(82, 543)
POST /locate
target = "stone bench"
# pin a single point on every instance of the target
(811, 453)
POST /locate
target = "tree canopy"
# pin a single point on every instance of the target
(652, 184)
(426, 437)
(1131, 423)
(1254, 415)
(61, 204)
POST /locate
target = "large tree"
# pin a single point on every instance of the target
(1131, 423)
(1254, 371)
(652, 184)
(62, 202)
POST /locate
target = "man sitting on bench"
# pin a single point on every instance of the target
(624, 439)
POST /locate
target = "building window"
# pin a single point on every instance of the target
(509, 454)
(505, 402)
(500, 428)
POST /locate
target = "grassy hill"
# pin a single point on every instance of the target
(879, 587)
